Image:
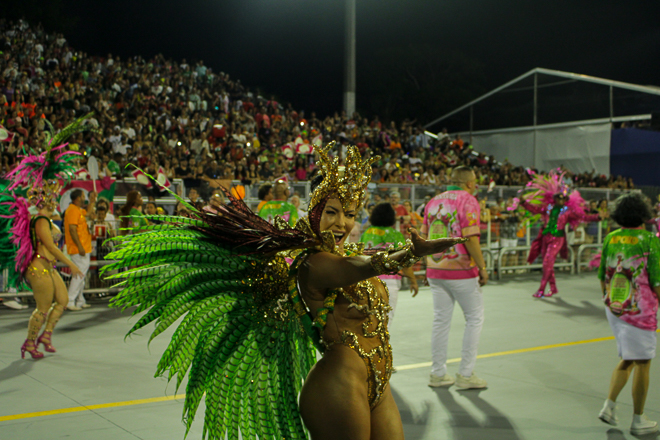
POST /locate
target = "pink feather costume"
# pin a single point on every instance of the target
(550, 244)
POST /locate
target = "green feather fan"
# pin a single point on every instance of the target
(240, 340)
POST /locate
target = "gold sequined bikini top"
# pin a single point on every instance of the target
(54, 230)
(369, 337)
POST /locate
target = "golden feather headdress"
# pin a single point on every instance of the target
(348, 182)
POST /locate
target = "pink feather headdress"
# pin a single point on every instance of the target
(544, 188)
(41, 174)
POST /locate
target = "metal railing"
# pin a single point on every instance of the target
(94, 284)
(581, 251)
(496, 250)
(496, 239)
(570, 263)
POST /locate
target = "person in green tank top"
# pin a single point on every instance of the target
(380, 235)
(279, 205)
(629, 275)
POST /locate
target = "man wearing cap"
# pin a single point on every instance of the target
(279, 205)
(456, 276)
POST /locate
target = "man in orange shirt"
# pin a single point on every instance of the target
(265, 195)
(79, 244)
(395, 144)
(458, 142)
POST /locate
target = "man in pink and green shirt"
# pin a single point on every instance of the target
(456, 275)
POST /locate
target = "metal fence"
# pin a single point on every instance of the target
(415, 193)
(94, 282)
(505, 242)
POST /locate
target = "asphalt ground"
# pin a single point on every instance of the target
(547, 362)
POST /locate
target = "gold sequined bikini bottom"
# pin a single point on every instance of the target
(366, 298)
(36, 272)
(378, 362)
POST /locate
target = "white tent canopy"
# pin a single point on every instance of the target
(546, 118)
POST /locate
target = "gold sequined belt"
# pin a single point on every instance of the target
(38, 272)
(35, 271)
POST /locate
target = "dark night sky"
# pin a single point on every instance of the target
(294, 48)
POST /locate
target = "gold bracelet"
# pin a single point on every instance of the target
(410, 258)
(383, 264)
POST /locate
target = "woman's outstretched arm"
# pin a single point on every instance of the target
(323, 271)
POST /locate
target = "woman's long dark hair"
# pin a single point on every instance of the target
(131, 201)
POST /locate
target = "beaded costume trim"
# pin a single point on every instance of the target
(378, 360)
(363, 297)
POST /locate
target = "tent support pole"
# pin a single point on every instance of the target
(471, 122)
(536, 102)
(611, 103)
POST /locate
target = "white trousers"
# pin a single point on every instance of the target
(469, 296)
(393, 286)
(77, 284)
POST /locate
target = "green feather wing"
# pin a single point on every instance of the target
(54, 139)
(239, 340)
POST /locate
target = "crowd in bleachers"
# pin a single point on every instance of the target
(191, 122)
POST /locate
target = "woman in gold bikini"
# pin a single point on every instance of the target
(253, 321)
(28, 242)
(50, 292)
(347, 393)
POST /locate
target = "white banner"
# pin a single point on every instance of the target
(579, 148)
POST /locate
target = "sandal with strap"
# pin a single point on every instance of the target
(31, 348)
(45, 339)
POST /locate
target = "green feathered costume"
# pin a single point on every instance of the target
(245, 339)
(7, 247)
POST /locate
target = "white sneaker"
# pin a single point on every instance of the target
(641, 425)
(14, 304)
(608, 413)
(470, 382)
(73, 308)
(84, 306)
(441, 381)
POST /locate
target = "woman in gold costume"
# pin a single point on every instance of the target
(50, 292)
(28, 242)
(347, 393)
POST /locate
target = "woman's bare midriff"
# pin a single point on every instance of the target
(44, 253)
(357, 341)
